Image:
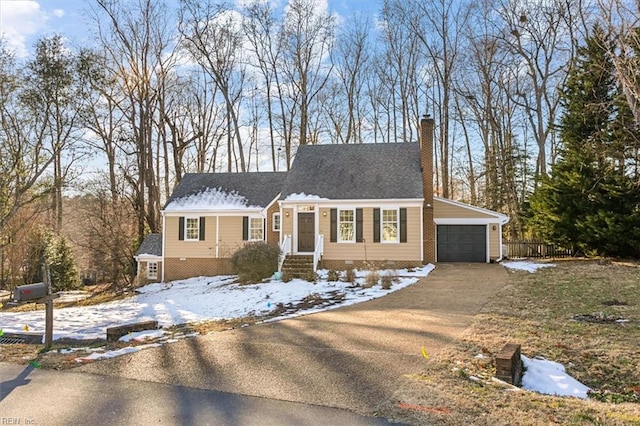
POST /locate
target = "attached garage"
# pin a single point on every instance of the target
(461, 243)
(467, 233)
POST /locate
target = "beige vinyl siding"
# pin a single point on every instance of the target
(230, 238)
(176, 248)
(494, 241)
(368, 250)
(286, 222)
(442, 210)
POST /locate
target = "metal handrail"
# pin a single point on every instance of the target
(285, 249)
(318, 251)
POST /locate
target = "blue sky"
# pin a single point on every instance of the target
(22, 22)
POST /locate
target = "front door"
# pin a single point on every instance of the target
(306, 232)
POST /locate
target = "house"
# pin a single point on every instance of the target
(339, 206)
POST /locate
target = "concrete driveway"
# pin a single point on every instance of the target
(354, 357)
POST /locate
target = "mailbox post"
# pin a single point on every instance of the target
(39, 293)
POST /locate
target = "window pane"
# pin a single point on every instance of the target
(276, 221)
(152, 270)
(390, 225)
(347, 227)
(255, 228)
(192, 224)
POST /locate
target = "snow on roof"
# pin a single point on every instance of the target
(210, 199)
(303, 197)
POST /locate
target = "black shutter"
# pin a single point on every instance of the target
(202, 220)
(359, 226)
(264, 229)
(181, 228)
(376, 225)
(334, 226)
(403, 225)
(245, 228)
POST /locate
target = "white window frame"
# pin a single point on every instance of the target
(186, 228)
(254, 228)
(382, 222)
(273, 222)
(151, 276)
(340, 222)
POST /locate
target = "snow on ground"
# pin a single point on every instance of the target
(550, 378)
(526, 265)
(198, 299)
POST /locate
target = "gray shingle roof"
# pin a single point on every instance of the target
(358, 171)
(259, 188)
(152, 244)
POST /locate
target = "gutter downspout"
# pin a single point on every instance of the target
(164, 232)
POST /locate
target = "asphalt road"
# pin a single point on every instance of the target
(30, 396)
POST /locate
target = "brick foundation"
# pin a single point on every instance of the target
(176, 269)
(342, 265)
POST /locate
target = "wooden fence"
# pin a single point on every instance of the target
(534, 248)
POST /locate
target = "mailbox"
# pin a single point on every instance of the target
(24, 293)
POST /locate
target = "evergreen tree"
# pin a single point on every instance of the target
(55, 251)
(588, 201)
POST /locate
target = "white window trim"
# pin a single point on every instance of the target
(149, 275)
(273, 222)
(397, 240)
(186, 227)
(251, 219)
(339, 222)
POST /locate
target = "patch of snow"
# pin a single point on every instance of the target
(198, 299)
(550, 378)
(303, 197)
(525, 265)
(210, 199)
(140, 336)
(112, 354)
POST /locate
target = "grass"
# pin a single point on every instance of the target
(537, 311)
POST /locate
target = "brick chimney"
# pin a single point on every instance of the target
(426, 163)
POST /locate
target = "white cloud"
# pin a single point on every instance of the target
(22, 19)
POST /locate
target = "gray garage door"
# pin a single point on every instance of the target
(462, 243)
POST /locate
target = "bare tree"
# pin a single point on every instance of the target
(25, 155)
(51, 92)
(135, 38)
(213, 35)
(351, 62)
(308, 37)
(538, 36)
(622, 20)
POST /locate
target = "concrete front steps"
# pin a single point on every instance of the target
(297, 266)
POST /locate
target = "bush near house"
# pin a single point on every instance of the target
(255, 261)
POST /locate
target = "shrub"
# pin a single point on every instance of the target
(333, 275)
(310, 276)
(350, 275)
(387, 280)
(255, 261)
(372, 279)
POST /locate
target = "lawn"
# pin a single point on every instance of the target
(582, 314)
